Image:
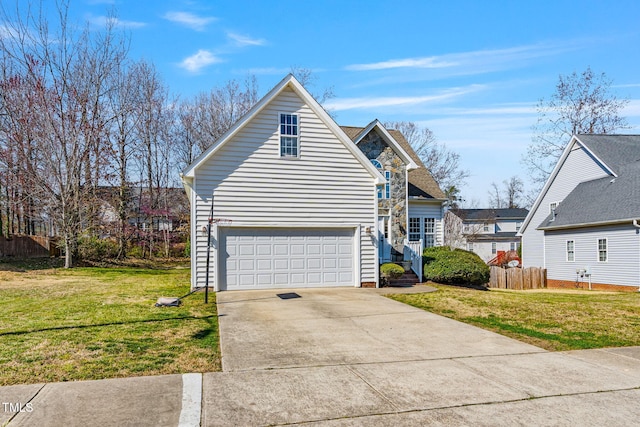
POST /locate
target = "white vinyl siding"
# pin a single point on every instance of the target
(577, 167)
(325, 185)
(623, 254)
(424, 210)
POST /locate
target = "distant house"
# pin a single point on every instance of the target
(171, 211)
(485, 232)
(305, 202)
(583, 227)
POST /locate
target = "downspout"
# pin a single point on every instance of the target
(636, 225)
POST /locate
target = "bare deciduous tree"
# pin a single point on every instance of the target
(510, 196)
(443, 163)
(61, 74)
(581, 103)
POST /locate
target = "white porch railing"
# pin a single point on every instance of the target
(413, 252)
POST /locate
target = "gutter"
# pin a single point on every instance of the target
(636, 225)
(589, 224)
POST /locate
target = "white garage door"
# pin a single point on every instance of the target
(260, 258)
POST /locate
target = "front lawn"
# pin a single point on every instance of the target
(551, 319)
(92, 323)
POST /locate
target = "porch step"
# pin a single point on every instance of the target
(407, 279)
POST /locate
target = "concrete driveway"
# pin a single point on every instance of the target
(349, 357)
(352, 357)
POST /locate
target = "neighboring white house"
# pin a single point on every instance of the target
(486, 231)
(310, 204)
(583, 227)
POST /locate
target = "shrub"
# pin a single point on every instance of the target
(95, 249)
(391, 270)
(454, 267)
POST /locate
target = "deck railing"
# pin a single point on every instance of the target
(413, 252)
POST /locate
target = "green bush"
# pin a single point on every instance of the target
(454, 267)
(95, 249)
(391, 270)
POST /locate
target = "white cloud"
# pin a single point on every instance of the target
(395, 101)
(199, 60)
(473, 62)
(102, 21)
(241, 40)
(195, 22)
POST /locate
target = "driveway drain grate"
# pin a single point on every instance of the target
(288, 295)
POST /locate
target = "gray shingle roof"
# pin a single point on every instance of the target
(421, 183)
(491, 214)
(614, 150)
(608, 199)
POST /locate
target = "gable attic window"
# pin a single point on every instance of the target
(289, 140)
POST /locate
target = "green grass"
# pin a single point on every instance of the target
(91, 323)
(554, 320)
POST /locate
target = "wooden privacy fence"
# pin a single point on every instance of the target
(518, 278)
(27, 247)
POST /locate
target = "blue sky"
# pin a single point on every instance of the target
(471, 71)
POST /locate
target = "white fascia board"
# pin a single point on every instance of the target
(390, 140)
(337, 131)
(288, 81)
(598, 160)
(189, 172)
(547, 184)
(587, 224)
(554, 173)
(187, 183)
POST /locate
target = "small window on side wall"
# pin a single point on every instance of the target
(602, 250)
(289, 135)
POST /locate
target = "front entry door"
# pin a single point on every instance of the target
(384, 247)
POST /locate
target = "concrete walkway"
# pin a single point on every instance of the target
(349, 357)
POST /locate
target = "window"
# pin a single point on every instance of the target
(512, 246)
(470, 246)
(387, 186)
(414, 229)
(429, 232)
(518, 226)
(465, 228)
(494, 248)
(602, 250)
(289, 135)
(571, 251)
(383, 193)
(485, 227)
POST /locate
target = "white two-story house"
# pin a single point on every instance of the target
(297, 201)
(485, 232)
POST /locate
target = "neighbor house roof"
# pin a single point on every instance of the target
(490, 214)
(421, 183)
(612, 199)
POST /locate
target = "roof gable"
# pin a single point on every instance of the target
(602, 200)
(421, 183)
(376, 126)
(293, 84)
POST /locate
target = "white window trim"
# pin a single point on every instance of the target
(387, 186)
(606, 249)
(419, 233)
(423, 230)
(494, 248)
(297, 137)
(566, 250)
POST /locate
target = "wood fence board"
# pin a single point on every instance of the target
(518, 278)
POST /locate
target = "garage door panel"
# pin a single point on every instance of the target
(297, 264)
(252, 258)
